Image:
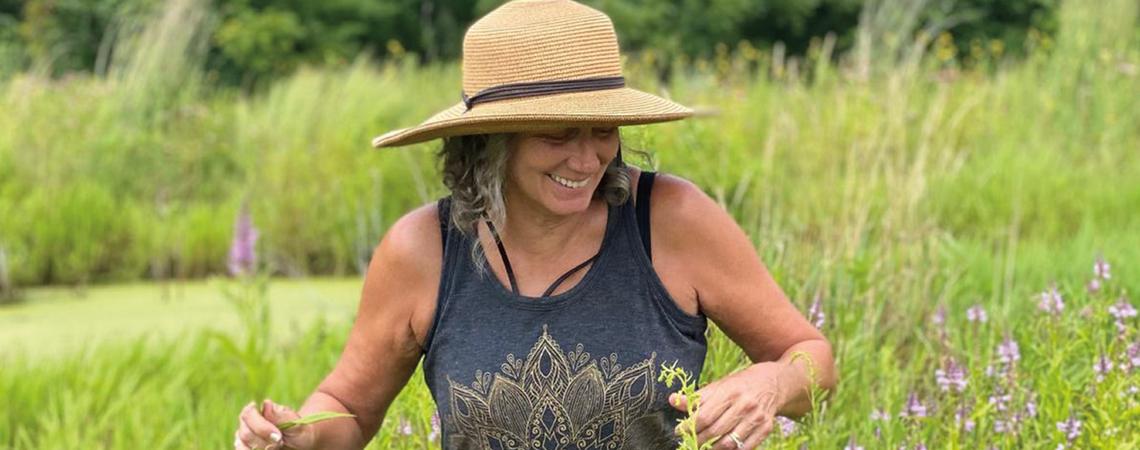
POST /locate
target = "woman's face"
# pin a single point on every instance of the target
(558, 169)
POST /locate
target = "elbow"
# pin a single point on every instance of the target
(828, 376)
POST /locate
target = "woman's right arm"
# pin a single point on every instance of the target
(396, 308)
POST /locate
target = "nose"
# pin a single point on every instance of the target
(587, 155)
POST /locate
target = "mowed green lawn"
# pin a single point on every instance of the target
(55, 322)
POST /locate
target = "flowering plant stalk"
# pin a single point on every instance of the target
(688, 426)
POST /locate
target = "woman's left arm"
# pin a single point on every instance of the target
(735, 290)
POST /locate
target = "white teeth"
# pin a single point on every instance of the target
(568, 183)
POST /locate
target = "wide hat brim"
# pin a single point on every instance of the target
(616, 107)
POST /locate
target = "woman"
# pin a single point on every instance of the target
(546, 292)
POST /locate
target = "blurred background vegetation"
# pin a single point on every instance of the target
(891, 159)
(250, 41)
(133, 129)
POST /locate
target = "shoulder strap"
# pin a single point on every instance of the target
(644, 186)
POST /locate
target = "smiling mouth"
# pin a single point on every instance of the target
(567, 182)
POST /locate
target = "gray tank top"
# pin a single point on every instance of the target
(576, 370)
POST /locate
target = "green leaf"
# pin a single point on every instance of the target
(312, 418)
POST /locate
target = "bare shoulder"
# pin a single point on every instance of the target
(398, 293)
(412, 237)
(681, 212)
(684, 221)
(410, 257)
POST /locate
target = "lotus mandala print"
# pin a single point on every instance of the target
(556, 400)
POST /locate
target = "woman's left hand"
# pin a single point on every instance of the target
(742, 405)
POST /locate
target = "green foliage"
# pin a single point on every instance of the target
(75, 234)
(687, 389)
(262, 43)
(310, 419)
(255, 42)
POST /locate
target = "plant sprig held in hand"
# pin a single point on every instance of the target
(312, 418)
(688, 389)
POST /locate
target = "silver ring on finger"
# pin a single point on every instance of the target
(736, 440)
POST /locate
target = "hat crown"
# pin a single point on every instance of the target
(539, 40)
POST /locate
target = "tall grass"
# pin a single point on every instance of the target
(888, 183)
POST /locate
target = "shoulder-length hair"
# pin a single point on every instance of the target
(474, 167)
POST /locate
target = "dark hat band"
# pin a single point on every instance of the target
(532, 89)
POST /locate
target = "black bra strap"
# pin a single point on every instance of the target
(566, 275)
(644, 185)
(511, 272)
(506, 261)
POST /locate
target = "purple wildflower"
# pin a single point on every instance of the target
(877, 414)
(243, 258)
(1071, 427)
(851, 445)
(1000, 400)
(1122, 309)
(405, 427)
(1051, 301)
(952, 377)
(962, 418)
(434, 426)
(1008, 425)
(976, 314)
(920, 446)
(787, 426)
(815, 313)
(1101, 269)
(1102, 366)
(939, 316)
(1008, 351)
(1031, 405)
(1131, 357)
(1093, 287)
(914, 407)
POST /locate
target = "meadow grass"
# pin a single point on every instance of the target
(891, 187)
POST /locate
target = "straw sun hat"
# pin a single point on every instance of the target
(531, 64)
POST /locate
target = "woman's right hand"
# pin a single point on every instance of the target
(257, 428)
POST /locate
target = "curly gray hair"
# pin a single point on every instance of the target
(474, 167)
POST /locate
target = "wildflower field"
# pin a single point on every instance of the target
(966, 235)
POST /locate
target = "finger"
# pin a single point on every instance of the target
(743, 430)
(264, 432)
(720, 426)
(759, 434)
(238, 444)
(709, 408)
(246, 437)
(678, 402)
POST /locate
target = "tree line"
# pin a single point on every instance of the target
(253, 40)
